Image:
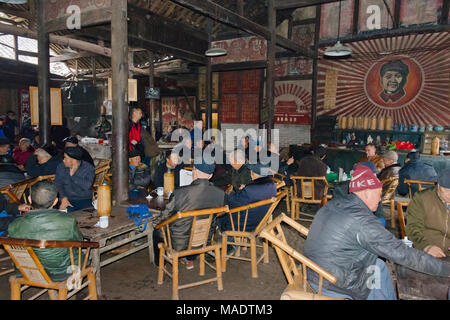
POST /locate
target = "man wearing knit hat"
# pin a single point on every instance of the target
(74, 179)
(391, 166)
(428, 225)
(200, 194)
(347, 240)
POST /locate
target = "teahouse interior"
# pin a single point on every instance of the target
(298, 74)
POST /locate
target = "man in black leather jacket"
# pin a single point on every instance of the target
(201, 194)
(347, 239)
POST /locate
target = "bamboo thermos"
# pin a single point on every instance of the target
(104, 201)
(366, 125)
(350, 122)
(373, 123)
(169, 184)
(344, 122)
(435, 146)
(389, 124)
(360, 123)
(381, 122)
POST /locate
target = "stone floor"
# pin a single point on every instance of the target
(133, 278)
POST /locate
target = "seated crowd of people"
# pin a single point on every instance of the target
(346, 236)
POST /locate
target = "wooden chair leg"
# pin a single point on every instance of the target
(288, 203)
(392, 214)
(62, 294)
(253, 258)
(224, 252)
(202, 264)
(293, 207)
(161, 265)
(401, 220)
(15, 288)
(92, 287)
(266, 251)
(53, 294)
(175, 277)
(218, 269)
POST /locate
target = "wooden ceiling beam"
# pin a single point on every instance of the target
(295, 4)
(228, 17)
(14, 12)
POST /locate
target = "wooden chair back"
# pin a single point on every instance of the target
(100, 175)
(27, 262)
(296, 275)
(392, 184)
(16, 191)
(201, 225)
(420, 183)
(306, 192)
(99, 163)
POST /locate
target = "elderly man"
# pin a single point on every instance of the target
(41, 164)
(428, 222)
(414, 169)
(346, 239)
(72, 142)
(9, 172)
(372, 156)
(239, 175)
(22, 152)
(46, 223)
(201, 194)
(391, 166)
(171, 162)
(262, 187)
(138, 176)
(74, 179)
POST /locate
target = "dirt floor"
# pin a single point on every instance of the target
(134, 278)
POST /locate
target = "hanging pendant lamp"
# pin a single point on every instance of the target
(338, 50)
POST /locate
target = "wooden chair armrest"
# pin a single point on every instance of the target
(43, 244)
(194, 213)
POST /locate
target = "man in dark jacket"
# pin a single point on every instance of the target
(41, 164)
(170, 162)
(261, 188)
(391, 166)
(201, 194)
(9, 212)
(138, 176)
(74, 179)
(238, 175)
(46, 223)
(9, 172)
(414, 169)
(72, 142)
(346, 239)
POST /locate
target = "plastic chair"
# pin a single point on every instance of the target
(298, 287)
(246, 239)
(198, 244)
(34, 273)
(306, 195)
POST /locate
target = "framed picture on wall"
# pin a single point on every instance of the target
(55, 106)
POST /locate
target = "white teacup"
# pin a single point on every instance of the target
(160, 192)
(104, 222)
(94, 204)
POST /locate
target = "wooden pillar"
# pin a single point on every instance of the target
(119, 60)
(151, 81)
(315, 70)
(209, 82)
(270, 78)
(43, 76)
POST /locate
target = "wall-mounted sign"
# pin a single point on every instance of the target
(55, 106)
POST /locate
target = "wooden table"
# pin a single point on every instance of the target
(413, 285)
(121, 231)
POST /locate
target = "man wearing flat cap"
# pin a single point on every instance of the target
(261, 188)
(200, 194)
(72, 142)
(393, 75)
(428, 224)
(74, 179)
(348, 241)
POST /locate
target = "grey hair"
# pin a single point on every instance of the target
(26, 140)
(43, 153)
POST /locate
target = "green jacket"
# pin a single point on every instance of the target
(49, 225)
(428, 221)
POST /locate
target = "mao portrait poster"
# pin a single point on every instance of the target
(406, 78)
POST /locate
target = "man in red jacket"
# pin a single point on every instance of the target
(22, 152)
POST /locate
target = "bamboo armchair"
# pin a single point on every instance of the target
(388, 197)
(307, 186)
(5, 263)
(16, 191)
(401, 217)
(198, 244)
(245, 239)
(298, 287)
(420, 184)
(278, 178)
(34, 274)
